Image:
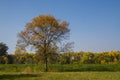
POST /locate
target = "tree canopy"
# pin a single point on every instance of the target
(44, 32)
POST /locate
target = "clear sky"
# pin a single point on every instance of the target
(94, 24)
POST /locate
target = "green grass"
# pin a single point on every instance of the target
(60, 72)
(21, 67)
(62, 76)
(59, 67)
(86, 67)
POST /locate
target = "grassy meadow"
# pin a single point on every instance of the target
(60, 72)
(59, 67)
(61, 76)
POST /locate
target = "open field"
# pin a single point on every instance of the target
(61, 76)
(60, 72)
(59, 67)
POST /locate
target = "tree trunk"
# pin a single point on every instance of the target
(46, 64)
(46, 57)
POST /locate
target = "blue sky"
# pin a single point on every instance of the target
(94, 24)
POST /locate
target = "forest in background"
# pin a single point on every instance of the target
(23, 57)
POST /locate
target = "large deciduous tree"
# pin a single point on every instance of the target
(44, 32)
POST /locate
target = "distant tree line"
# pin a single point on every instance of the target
(21, 56)
(82, 57)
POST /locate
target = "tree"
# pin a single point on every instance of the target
(44, 33)
(3, 49)
(87, 58)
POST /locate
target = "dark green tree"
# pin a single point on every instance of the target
(3, 49)
(3, 53)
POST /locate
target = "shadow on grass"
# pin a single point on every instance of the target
(16, 76)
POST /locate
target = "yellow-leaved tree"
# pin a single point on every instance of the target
(44, 32)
